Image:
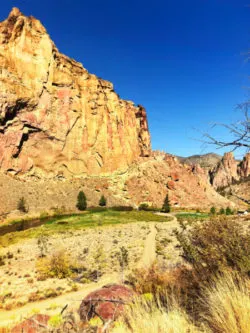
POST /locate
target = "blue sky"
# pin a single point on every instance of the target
(183, 60)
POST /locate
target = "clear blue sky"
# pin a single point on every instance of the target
(183, 60)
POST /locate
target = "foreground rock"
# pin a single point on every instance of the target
(36, 324)
(57, 119)
(106, 303)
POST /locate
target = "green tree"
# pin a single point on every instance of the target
(229, 211)
(166, 205)
(21, 206)
(222, 211)
(81, 201)
(102, 201)
(213, 210)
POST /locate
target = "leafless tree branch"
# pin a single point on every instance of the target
(240, 132)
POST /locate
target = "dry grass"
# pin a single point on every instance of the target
(228, 305)
(223, 306)
(149, 317)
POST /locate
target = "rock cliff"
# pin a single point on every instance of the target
(57, 119)
(229, 171)
(62, 129)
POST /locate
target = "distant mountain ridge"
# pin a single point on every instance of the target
(209, 160)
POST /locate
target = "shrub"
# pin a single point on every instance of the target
(81, 201)
(96, 209)
(213, 210)
(144, 206)
(102, 201)
(123, 260)
(215, 245)
(55, 321)
(21, 206)
(222, 211)
(122, 208)
(42, 243)
(2, 262)
(155, 281)
(166, 205)
(229, 211)
(55, 266)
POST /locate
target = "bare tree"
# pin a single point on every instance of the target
(240, 132)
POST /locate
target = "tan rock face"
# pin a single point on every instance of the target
(230, 170)
(244, 167)
(56, 119)
(225, 172)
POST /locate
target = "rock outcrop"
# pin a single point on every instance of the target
(244, 166)
(107, 303)
(229, 171)
(57, 119)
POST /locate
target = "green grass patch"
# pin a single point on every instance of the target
(89, 219)
(191, 216)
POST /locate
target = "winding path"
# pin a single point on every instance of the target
(73, 299)
(149, 254)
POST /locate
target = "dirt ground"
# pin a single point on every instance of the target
(22, 292)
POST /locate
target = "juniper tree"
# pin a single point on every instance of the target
(102, 201)
(213, 210)
(229, 211)
(166, 205)
(81, 201)
(222, 211)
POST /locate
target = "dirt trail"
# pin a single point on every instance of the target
(149, 254)
(174, 220)
(73, 300)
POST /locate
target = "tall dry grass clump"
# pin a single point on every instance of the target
(227, 303)
(144, 316)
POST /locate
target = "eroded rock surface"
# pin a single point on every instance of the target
(57, 119)
(107, 303)
(229, 171)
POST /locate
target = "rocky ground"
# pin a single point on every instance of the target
(95, 249)
(22, 291)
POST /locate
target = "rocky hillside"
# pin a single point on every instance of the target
(209, 160)
(147, 180)
(57, 119)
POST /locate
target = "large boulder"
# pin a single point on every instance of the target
(107, 303)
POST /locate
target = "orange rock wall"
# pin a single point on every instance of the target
(56, 119)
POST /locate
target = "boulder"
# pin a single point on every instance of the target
(107, 303)
(35, 324)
